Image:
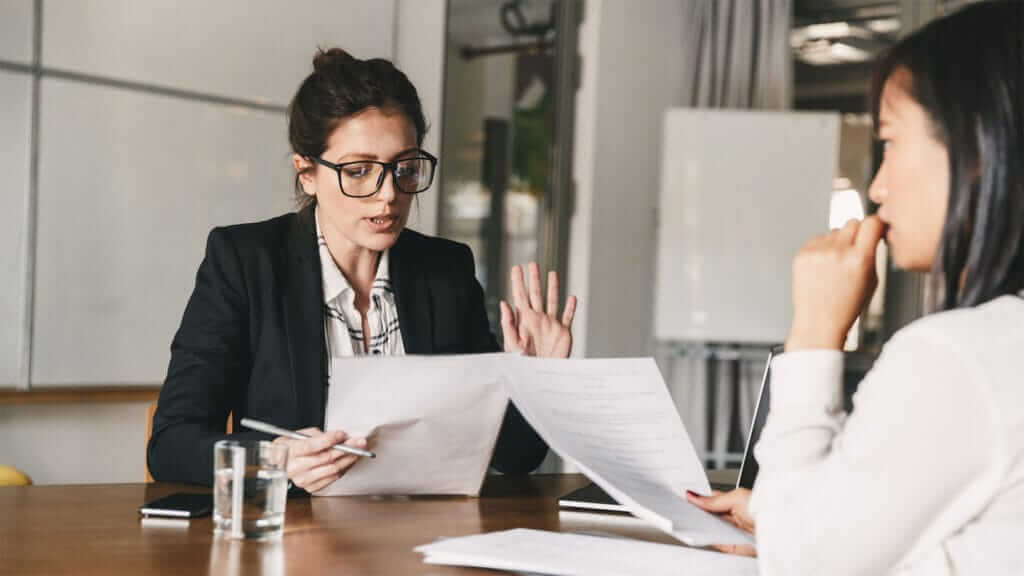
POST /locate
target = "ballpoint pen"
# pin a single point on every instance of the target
(271, 429)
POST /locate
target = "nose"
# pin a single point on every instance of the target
(388, 193)
(878, 191)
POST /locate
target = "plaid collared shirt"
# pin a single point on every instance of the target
(344, 324)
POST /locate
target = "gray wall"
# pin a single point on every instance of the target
(75, 443)
(630, 77)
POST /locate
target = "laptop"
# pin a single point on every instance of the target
(592, 497)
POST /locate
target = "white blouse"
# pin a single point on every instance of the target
(343, 323)
(924, 476)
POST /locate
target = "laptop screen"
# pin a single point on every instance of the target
(749, 467)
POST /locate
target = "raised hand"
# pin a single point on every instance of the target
(833, 279)
(530, 328)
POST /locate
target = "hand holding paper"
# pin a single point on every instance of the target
(432, 421)
(614, 420)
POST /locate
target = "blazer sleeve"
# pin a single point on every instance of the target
(519, 449)
(208, 367)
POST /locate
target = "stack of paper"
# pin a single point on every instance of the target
(615, 420)
(556, 553)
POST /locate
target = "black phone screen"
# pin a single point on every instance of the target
(179, 505)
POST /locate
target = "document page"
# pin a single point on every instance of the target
(615, 420)
(432, 421)
(538, 551)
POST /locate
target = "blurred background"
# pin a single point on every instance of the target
(666, 157)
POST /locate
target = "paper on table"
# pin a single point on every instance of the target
(537, 551)
(615, 420)
(432, 422)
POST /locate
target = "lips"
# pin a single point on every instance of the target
(382, 222)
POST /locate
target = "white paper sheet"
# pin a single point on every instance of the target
(615, 420)
(432, 421)
(561, 554)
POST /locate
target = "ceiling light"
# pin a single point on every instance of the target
(884, 25)
(846, 53)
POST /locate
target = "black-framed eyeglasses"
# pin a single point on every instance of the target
(363, 178)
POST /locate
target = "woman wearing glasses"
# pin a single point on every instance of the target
(342, 276)
(926, 474)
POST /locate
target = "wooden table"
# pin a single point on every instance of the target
(95, 529)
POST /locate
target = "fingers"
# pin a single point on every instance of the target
(570, 312)
(317, 442)
(848, 232)
(532, 324)
(508, 328)
(528, 308)
(526, 294)
(518, 288)
(718, 502)
(316, 470)
(534, 288)
(730, 506)
(296, 447)
(308, 470)
(357, 442)
(735, 549)
(552, 294)
(869, 235)
(323, 476)
(863, 235)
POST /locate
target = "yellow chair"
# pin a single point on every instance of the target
(150, 410)
(13, 477)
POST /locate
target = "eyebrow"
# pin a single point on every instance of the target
(356, 156)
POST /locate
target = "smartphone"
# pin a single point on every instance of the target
(179, 505)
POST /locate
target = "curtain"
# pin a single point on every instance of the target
(736, 54)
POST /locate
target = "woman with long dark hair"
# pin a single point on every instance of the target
(926, 474)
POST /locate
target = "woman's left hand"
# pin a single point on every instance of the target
(731, 506)
(530, 328)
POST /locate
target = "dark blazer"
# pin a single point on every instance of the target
(251, 341)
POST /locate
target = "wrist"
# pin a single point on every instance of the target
(809, 338)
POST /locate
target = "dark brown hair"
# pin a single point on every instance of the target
(341, 86)
(967, 72)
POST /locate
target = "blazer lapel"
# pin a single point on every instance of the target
(304, 321)
(412, 296)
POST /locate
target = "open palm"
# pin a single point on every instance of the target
(529, 327)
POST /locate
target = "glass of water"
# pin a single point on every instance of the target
(250, 488)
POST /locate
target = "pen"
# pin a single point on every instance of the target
(271, 429)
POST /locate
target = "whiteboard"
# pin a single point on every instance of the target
(741, 191)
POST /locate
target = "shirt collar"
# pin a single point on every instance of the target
(334, 282)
